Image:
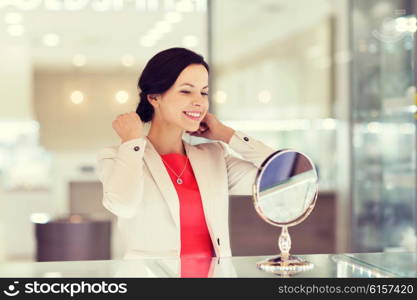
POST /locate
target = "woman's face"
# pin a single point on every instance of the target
(185, 103)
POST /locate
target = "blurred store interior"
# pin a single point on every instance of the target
(334, 79)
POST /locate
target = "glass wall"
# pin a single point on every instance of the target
(275, 64)
(383, 125)
(284, 76)
(273, 75)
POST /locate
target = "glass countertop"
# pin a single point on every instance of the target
(325, 265)
(400, 264)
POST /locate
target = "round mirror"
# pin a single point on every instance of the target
(284, 194)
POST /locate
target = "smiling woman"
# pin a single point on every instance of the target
(171, 71)
(174, 96)
(160, 186)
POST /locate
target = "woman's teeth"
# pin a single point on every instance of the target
(193, 115)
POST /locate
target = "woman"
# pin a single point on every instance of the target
(171, 197)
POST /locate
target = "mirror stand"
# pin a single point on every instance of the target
(285, 264)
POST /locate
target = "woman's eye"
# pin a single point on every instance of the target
(185, 92)
(205, 94)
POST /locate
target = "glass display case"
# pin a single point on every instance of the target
(24, 164)
(369, 265)
(402, 264)
(383, 125)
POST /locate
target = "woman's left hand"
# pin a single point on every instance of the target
(211, 128)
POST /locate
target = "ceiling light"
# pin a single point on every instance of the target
(328, 124)
(50, 40)
(127, 60)
(79, 60)
(264, 96)
(163, 27)
(77, 97)
(40, 218)
(374, 127)
(122, 96)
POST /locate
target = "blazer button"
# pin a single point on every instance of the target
(136, 148)
(246, 138)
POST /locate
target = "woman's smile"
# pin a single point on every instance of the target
(193, 115)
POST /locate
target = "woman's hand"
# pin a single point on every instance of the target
(211, 128)
(128, 126)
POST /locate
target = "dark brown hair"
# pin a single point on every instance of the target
(160, 73)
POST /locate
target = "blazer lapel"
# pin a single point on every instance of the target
(163, 181)
(202, 174)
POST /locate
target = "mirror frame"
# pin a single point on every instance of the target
(256, 184)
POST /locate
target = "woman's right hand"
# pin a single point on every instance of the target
(128, 126)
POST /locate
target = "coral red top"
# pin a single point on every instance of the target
(196, 246)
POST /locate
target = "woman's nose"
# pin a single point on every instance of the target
(199, 101)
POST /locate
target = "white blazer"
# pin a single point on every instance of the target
(138, 190)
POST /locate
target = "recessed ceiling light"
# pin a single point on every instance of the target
(264, 96)
(163, 27)
(15, 29)
(328, 124)
(41, 218)
(77, 97)
(128, 60)
(122, 96)
(51, 40)
(79, 60)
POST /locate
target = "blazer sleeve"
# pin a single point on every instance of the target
(120, 170)
(242, 172)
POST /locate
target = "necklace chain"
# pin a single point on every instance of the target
(179, 180)
(178, 176)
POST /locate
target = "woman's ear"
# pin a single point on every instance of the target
(153, 99)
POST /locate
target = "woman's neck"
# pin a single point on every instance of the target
(166, 139)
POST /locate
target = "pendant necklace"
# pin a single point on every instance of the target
(179, 180)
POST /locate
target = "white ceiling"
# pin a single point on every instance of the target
(239, 26)
(102, 37)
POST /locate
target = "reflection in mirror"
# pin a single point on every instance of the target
(287, 187)
(285, 192)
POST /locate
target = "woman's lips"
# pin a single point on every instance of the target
(193, 115)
